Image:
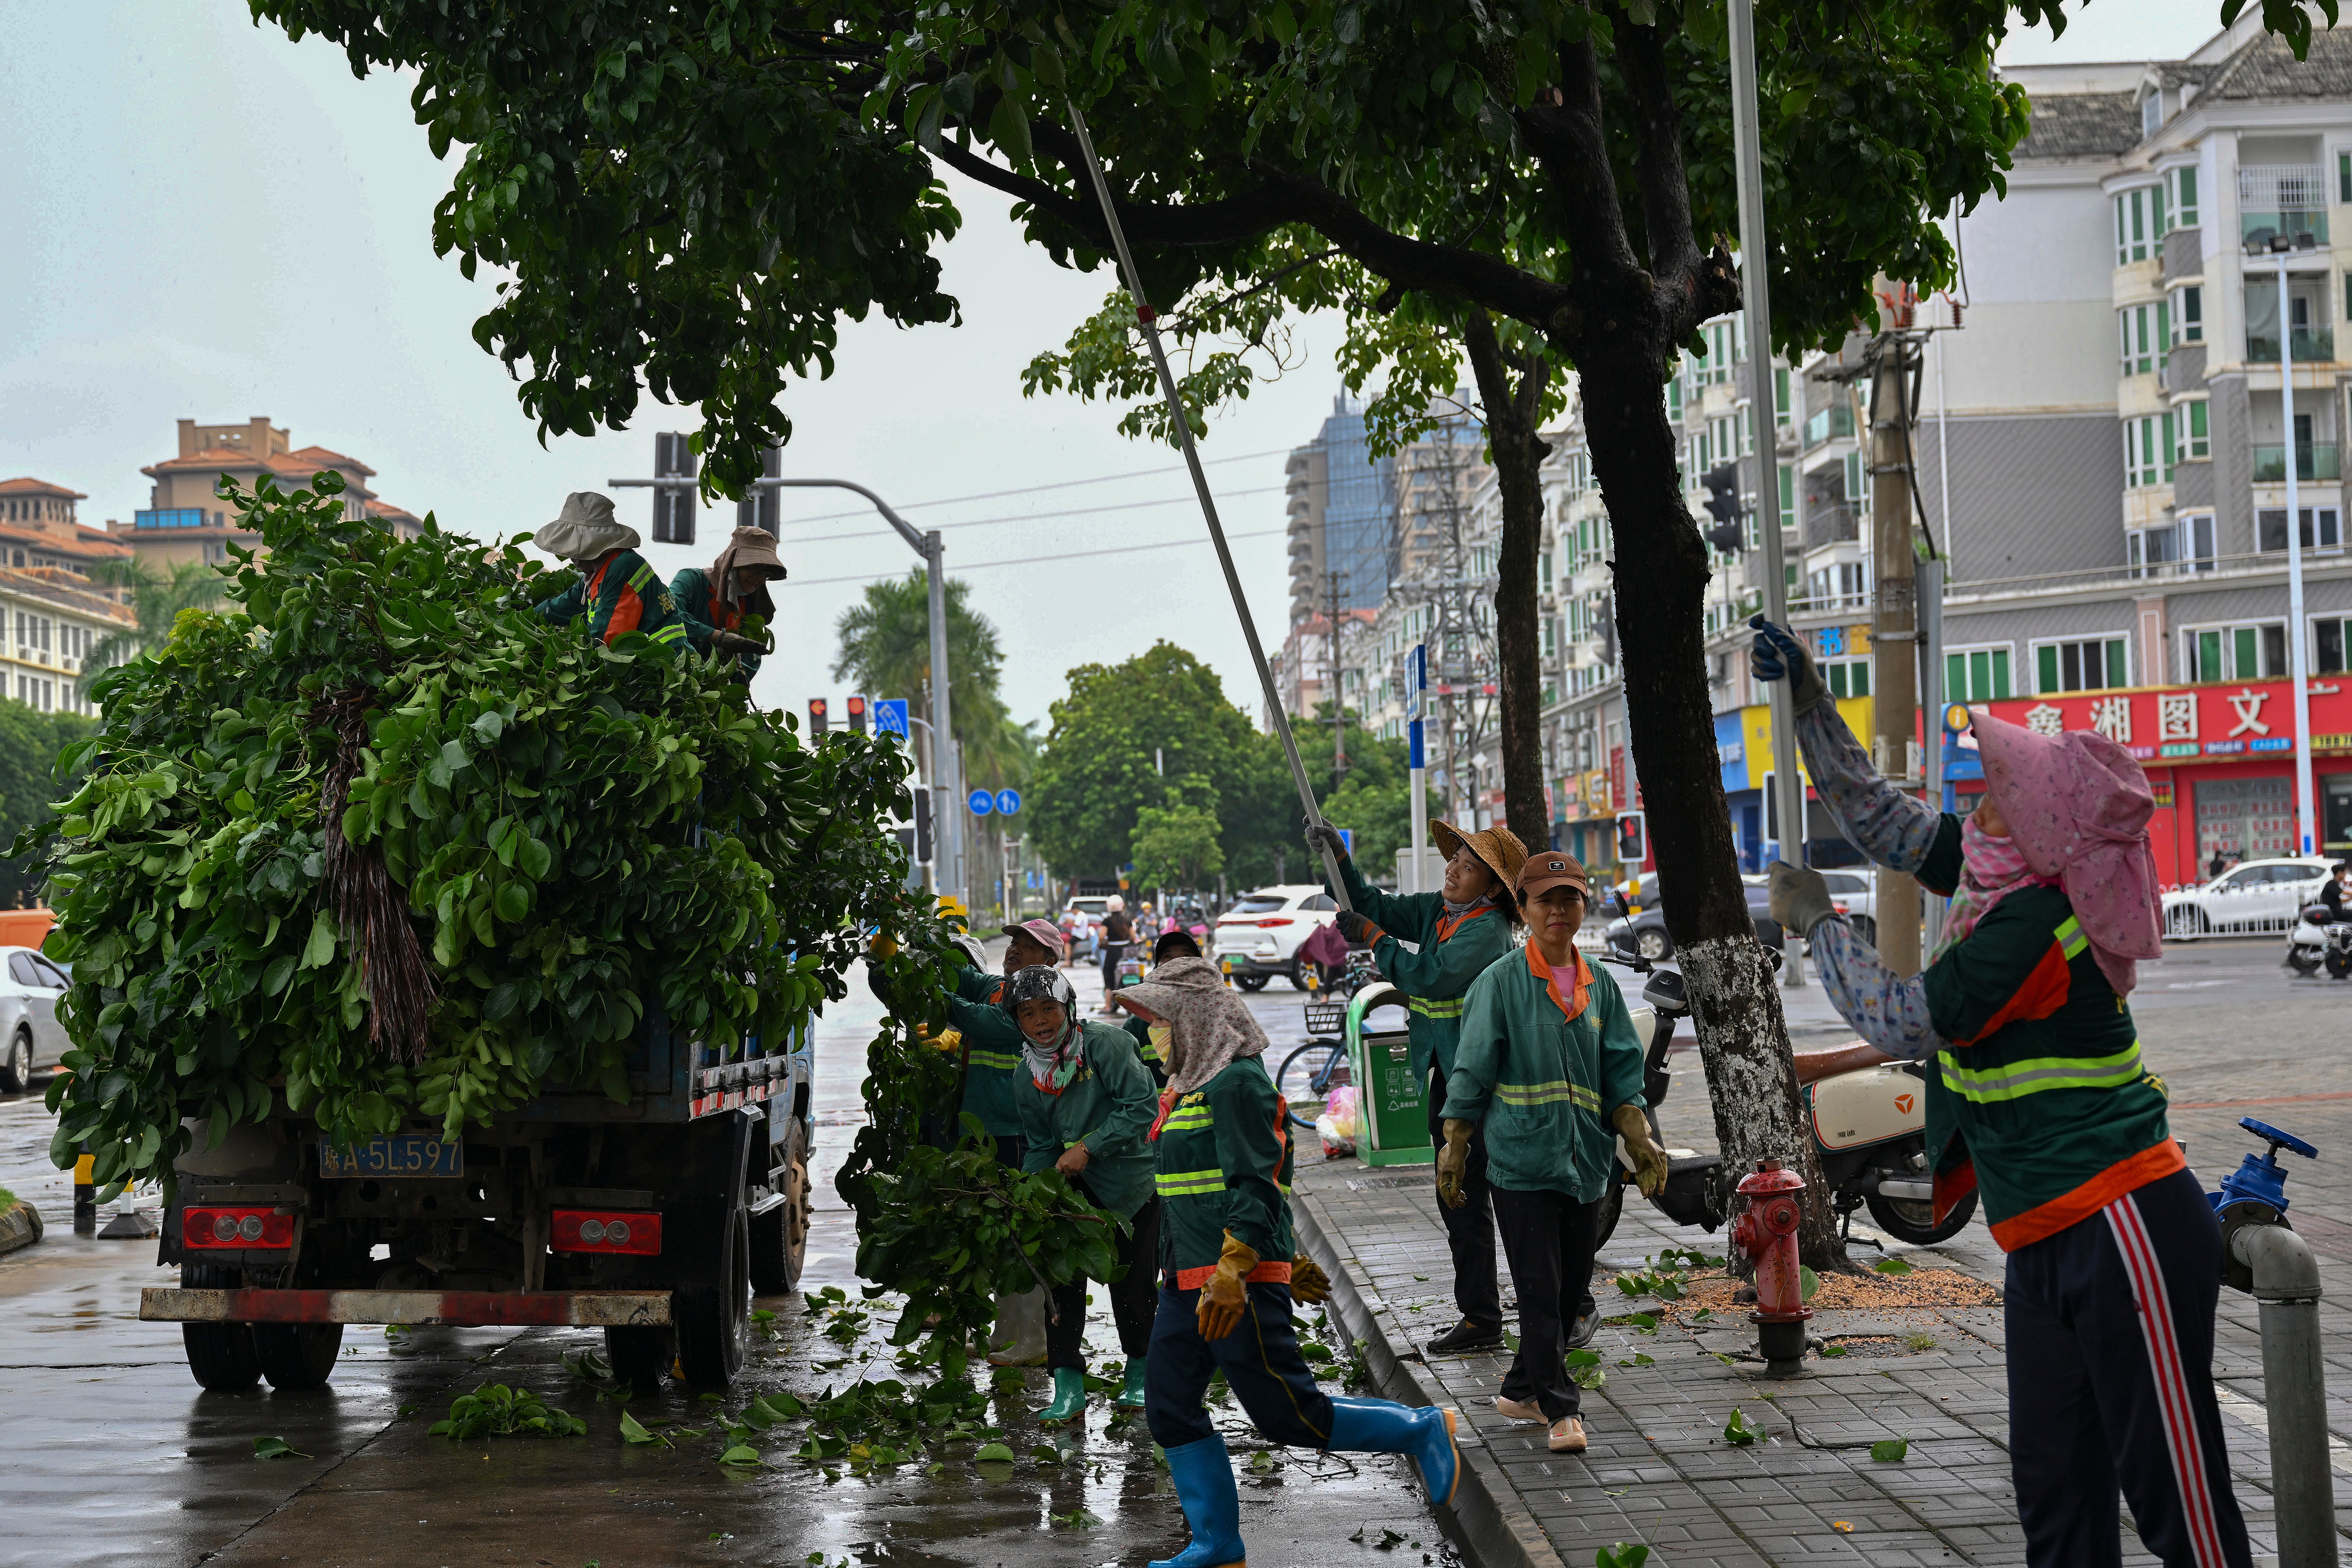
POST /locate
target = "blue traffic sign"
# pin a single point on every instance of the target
(982, 802)
(890, 716)
(1008, 801)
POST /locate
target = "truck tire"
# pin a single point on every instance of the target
(714, 1320)
(220, 1355)
(641, 1357)
(295, 1356)
(780, 1236)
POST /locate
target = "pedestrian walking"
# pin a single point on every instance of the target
(1117, 936)
(1458, 932)
(734, 589)
(1549, 1069)
(1227, 1274)
(1086, 1106)
(2038, 1100)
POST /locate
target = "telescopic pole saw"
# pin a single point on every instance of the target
(1150, 322)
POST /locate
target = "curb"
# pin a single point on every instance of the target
(20, 1226)
(1488, 1515)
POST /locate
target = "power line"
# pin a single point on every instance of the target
(1040, 516)
(1058, 485)
(1035, 560)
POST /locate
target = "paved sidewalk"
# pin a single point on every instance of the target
(1659, 1469)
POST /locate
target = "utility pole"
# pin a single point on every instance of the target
(1895, 611)
(1339, 702)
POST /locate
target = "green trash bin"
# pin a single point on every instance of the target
(1392, 1101)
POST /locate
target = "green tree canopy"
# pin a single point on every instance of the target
(1176, 846)
(30, 744)
(156, 600)
(885, 645)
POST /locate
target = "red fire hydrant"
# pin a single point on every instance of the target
(1765, 1230)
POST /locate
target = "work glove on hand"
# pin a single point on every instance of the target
(1453, 1164)
(1800, 899)
(735, 642)
(1308, 1283)
(947, 1040)
(1648, 1160)
(1356, 928)
(1322, 836)
(1777, 654)
(1225, 1293)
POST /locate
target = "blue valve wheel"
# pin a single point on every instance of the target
(2271, 1134)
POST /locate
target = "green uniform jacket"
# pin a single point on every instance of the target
(1437, 978)
(619, 593)
(705, 612)
(1108, 1107)
(992, 1044)
(1223, 1164)
(1545, 1084)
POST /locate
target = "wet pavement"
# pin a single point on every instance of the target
(116, 1456)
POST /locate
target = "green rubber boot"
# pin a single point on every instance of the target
(1069, 1397)
(1131, 1396)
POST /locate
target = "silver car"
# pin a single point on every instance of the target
(28, 1018)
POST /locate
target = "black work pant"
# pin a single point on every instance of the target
(2111, 1385)
(1548, 1236)
(1470, 1229)
(1261, 1362)
(1112, 952)
(1130, 1297)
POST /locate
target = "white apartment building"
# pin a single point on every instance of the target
(49, 622)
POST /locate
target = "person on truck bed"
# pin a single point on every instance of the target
(1086, 1104)
(735, 586)
(1227, 1272)
(1459, 930)
(617, 591)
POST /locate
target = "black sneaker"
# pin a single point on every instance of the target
(1584, 1325)
(1465, 1336)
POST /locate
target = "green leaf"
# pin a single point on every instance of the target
(1809, 1284)
(274, 1448)
(992, 1454)
(1892, 1266)
(741, 1454)
(321, 949)
(1738, 1432)
(1624, 1555)
(634, 1431)
(1890, 1450)
(514, 902)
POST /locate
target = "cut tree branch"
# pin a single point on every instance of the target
(1692, 286)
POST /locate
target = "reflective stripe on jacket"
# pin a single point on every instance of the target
(1435, 980)
(621, 594)
(1221, 1163)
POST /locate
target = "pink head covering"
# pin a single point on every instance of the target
(2077, 808)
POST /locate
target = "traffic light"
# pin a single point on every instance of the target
(818, 724)
(858, 715)
(922, 826)
(1633, 841)
(1722, 482)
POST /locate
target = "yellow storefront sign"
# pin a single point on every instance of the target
(1756, 732)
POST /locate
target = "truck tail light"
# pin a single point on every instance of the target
(238, 1228)
(604, 1230)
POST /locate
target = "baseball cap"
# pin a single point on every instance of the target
(1549, 869)
(1042, 931)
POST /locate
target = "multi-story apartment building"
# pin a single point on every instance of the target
(39, 530)
(50, 619)
(187, 521)
(1342, 507)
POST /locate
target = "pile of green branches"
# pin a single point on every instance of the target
(378, 843)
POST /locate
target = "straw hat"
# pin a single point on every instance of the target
(1499, 847)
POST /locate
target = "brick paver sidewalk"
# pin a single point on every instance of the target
(1659, 1469)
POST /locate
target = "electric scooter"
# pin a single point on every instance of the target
(2319, 938)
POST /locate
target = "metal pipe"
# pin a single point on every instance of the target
(2294, 1391)
(1150, 322)
(1932, 699)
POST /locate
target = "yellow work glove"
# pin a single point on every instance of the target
(947, 1040)
(1453, 1165)
(1308, 1283)
(1648, 1160)
(1224, 1293)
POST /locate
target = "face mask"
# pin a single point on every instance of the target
(1160, 1035)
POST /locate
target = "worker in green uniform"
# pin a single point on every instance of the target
(1547, 1066)
(1459, 931)
(1086, 1104)
(1227, 1272)
(1151, 1039)
(733, 591)
(616, 591)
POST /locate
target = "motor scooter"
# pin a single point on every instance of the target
(1869, 1126)
(2319, 939)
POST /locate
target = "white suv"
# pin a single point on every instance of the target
(1258, 938)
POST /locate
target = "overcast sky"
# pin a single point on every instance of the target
(204, 220)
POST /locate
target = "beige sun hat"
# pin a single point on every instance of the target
(586, 529)
(1499, 847)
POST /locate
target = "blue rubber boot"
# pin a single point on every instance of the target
(1384, 1427)
(1204, 1474)
(1131, 1396)
(1069, 1397)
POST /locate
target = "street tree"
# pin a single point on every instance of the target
(30, 743)
(1176, 846)
(687, 200)
(156, 600)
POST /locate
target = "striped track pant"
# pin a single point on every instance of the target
(2110, 1326)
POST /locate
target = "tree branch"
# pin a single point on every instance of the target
(1570, 138)
(1692, 286)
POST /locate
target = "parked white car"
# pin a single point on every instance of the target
(1856, 895)
(2252, 897)
(1258, 938)
(29, 990)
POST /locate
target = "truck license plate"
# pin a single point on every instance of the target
(404, 1154)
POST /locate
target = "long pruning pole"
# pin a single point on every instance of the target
(1150, 324)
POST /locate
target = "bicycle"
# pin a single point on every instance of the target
(1309, 1073)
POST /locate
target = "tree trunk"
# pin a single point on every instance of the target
(1661, 579)
(1519, 453)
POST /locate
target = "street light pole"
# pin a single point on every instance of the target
(947, 821)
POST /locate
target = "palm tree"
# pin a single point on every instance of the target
(156, 600)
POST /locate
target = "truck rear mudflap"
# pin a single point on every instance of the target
(456, 1308)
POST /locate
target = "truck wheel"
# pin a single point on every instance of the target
(714, 1320)
(220, 1355)
(780, 1236)
(641, 1357)
(296, 1355)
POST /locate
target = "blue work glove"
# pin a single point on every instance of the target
(1778, 655)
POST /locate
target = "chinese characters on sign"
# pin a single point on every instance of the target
(2176, 716)
(2111, 717)
(2248, 703)
(2044, 720)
